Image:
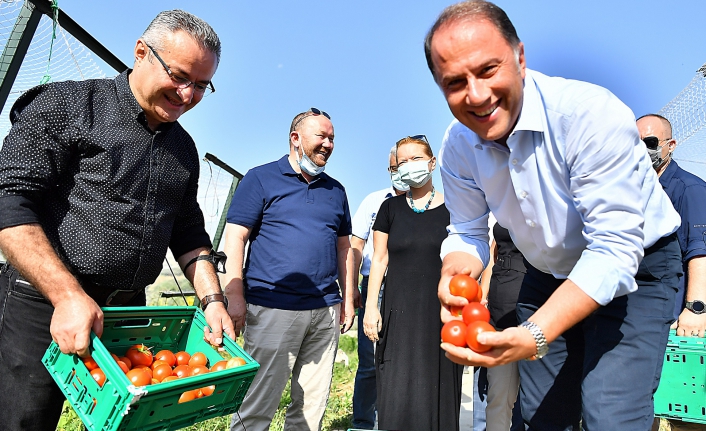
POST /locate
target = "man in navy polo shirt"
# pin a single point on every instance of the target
(688, 195)
(286, 298)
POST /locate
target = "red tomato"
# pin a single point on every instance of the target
(235, 362)
(123, 366)
(220, 365)
(169, 378)
(181, 371)
(474, 329)
(126, 360)
(464, 285)
(198, 359)
(182, 358)
(161, 371)
(139, 377)
(90, 363)
(188, 396)
(99, 376)
(157, 363)
(456, 311)
(208, 390)
(199, 369)
(454, 332)
(139, 354)
(167, 356)
(474, 311)
(145, 368)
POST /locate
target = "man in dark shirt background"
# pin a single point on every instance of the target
(688, 195)
(97, 179)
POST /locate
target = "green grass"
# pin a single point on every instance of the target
(338, 412)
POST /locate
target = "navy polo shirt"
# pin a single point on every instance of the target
(292, 258)
(688, 195)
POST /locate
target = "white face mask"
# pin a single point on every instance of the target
(397, 182)
(307, 165)
(415, 174)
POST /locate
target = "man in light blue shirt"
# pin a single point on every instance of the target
(561, 165)
(364, 392)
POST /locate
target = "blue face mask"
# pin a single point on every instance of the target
(307, 165)
(397, 182)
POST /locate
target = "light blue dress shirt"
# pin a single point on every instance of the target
(574, 186)
(363, 221)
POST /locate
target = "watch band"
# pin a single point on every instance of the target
(539, 339)
(216, 297)
(218, 259)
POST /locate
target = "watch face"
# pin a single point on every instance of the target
(698, 306)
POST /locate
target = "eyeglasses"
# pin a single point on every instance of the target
(181, 82)
(652, 142)
(417, 137)
(312, 111)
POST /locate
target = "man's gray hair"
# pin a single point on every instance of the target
(171, 21)
(393, 151)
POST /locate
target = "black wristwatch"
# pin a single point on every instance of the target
(696, 306)
(216, 297)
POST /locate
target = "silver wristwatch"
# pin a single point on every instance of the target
(539, 339)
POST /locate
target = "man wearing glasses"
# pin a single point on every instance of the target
(296, 222)
(688, 195)
(364, 392)
(561, 165)
(97, 180)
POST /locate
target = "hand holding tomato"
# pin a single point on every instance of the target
(455, 263)
(510, 345)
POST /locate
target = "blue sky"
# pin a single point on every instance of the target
(363, 63)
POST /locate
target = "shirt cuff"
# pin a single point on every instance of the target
(600, 278)
(17, 210)
(189, 239)
(475, 247)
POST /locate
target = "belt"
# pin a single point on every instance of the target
(514, 263)
(102, 296)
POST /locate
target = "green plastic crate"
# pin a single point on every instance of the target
(682, 388)
(118, 405)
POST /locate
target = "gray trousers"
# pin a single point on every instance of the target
(300, 344)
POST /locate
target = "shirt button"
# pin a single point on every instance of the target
(532, 224)
(523, 194)
(514, 161)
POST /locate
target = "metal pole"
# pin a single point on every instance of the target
(17, 45)
(237, 176)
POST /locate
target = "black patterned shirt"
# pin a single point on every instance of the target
(110, 194)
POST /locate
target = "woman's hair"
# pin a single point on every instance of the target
(409, 140)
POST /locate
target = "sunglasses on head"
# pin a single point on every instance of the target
(652, 142)
(417, 137)
(312, 111)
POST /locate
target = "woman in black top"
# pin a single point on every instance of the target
(418, 388)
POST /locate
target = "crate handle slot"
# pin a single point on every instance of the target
(133, 323)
